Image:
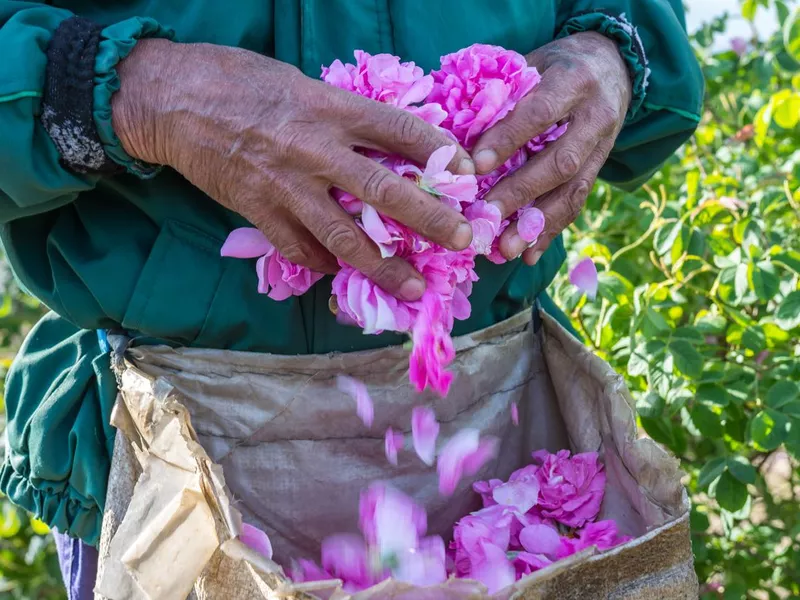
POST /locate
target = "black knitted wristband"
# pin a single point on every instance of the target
(68, 99)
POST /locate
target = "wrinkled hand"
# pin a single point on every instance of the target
(267, 142)
(585, 80)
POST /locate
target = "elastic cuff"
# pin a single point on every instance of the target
(67, 98)
(58, 504)
(622, 31)
(116, 42)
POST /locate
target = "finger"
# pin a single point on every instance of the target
(390, 129)
(557, 164)
(563, 205)
(402, 200)
(548, 103)
(296, 244)
(338, 232)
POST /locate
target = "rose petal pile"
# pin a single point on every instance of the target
(546, 511)
(473, 89)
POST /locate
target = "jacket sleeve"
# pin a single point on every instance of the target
(57, 77)
(668, 85)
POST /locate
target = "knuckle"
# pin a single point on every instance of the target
(388, 273)
(577, 198)
(547, 110)
(440, 223)
(567, 163)
(382, 188)
(524, 192)
(341, 240)
(297, 252)
(405, 130)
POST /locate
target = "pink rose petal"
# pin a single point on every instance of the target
(530, 224)
(521, 495)
(392, 443)
(424, 431)
(256, 539)
(358, 391)
(464, 454)
(495, 571)
(246, 242)
(514, 413)
(584, 277)
(540, 539)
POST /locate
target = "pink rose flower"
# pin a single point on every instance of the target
(602, 534)
(485, 219)
(433, 348)
(570, 489)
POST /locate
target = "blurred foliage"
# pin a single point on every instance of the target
(699, 308)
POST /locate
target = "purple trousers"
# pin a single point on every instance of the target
(78, 566)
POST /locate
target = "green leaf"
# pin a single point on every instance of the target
(707, 421)
(782, 394)
(651, 405)
(741, 468)
(731, 494)
(712, 393)
(690, 334)
(790, 259)
(749, 8)
(654, 323)
(763, 280)
(791, 35)
(741, 282)
(786, 109)
(788, 312)
(637, 362)
(10, 523)
(768, 429)
(665, 237)
(711, 324)
(754, 339)
(659, 430)
(688, 360)
(710, 472)
(614, 287)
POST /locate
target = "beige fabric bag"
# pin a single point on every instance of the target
(208, 438)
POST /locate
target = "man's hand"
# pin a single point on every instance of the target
(585, 80)
(267, 142)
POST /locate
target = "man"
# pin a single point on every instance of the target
(126, 158)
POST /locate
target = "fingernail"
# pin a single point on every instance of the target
(536, 256)
(463, 236)
(516, 245)
(412, 289)
(486, 160)
(466, 167)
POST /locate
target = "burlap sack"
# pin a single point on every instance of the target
(207, 438)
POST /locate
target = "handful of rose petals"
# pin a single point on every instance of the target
(473, 89)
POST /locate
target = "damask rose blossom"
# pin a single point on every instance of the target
(571, 489)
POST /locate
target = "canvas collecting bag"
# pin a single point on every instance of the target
(208, 439)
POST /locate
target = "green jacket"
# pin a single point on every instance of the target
(143, 253)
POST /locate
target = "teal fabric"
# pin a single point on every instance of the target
(141, 250)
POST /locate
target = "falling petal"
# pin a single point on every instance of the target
(424, 431)
(358, 391)
(584, 277)
(392, 443)
(246, 242)
(530, 224)
(256, 539)
(514, 413)
(464, 454)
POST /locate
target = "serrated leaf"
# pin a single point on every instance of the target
(710, 472)
(763, 280)
(741, 468)
(688, 360)
(665, 237)
(715, 394)
(731, 494)
(781, 394)
(651, 405)
(707, 421)
(788, 312)
(753, 338)
(768, 429)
